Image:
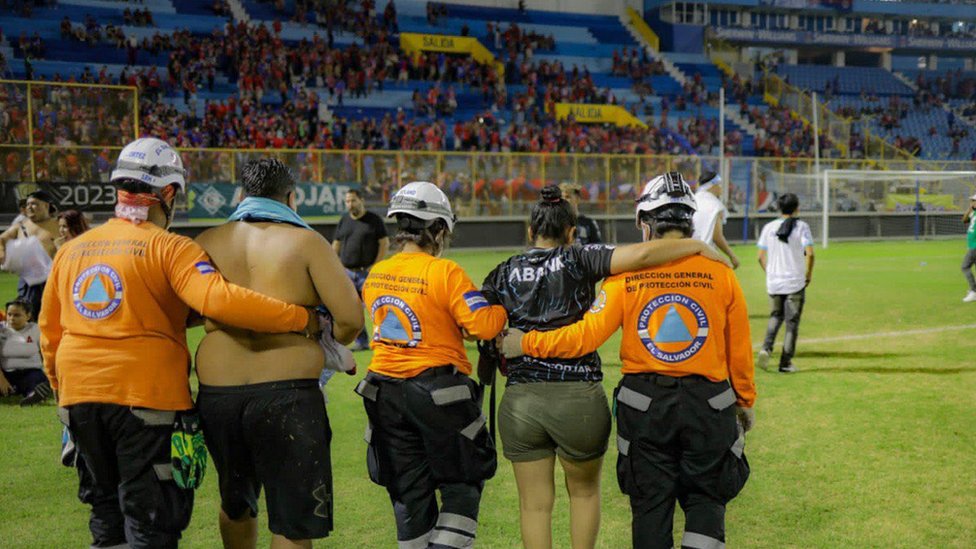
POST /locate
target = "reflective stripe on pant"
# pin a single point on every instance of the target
(678, 441)
(786, 308)
(428, 434)
(133, 496)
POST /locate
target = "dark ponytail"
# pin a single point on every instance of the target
(551, 216)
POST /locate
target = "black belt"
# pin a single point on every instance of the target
(446, 370)
(359, 269)
(673, 381)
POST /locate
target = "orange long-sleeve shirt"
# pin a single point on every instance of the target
(113, 317)
(419, 304)
(686, 317)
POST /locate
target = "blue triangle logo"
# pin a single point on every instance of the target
(96, 292)
(392, 329)
(673, 329)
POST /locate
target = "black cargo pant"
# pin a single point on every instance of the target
(788, 308)
(126, 452)
(427, 434)
(678, 440)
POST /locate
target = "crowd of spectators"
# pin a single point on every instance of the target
(91, 33)
(261, 63)
(32, 46)
(782, 135)
(244, 123)
(138, 18)
(516, 42)
(949, 85)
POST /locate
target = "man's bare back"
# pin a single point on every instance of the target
(281, 261)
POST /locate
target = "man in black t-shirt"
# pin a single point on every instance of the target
(587, 230)
(360, 240)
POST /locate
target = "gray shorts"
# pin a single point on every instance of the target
(538, 420)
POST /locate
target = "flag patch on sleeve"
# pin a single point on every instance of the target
(205, 268)
(475, 301)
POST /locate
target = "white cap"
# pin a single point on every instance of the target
(664, 190)
(423, 200)
(973, 197)
(151, 161)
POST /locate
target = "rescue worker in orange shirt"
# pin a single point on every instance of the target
(113, 337)
(686, 397)
(426, 430)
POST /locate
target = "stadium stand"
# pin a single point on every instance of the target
(198, 87)
(548, 56)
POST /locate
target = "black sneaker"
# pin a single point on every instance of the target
(788, 369)
(40, 393)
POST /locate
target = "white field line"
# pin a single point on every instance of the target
(855, 337)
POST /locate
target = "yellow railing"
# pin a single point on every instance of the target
(779, 93)
(98, 115)
(642, 29)
(877, 151)
(723, 55)
(478, 183)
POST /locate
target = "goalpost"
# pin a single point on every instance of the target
(895, 203)
(870, 204)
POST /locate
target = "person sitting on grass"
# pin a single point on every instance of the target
(23, 369)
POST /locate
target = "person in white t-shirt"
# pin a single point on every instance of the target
(786, 254)
(23, 368)
(710, 215)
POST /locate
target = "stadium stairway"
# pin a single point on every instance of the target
(678, 66)
(870, 88)
(237, 11)
(921, 122)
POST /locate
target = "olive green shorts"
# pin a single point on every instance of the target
(571, 419)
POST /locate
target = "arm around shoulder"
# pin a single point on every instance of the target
(469, 307)
(633, 257)
(334, 288)
(196, 281)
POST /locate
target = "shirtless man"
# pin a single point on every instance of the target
(38, 222)
(259, 399)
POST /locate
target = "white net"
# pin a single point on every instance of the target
(871, 204)
(897, 204)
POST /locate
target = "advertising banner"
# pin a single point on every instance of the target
(599, 114)
(843, 39)
(86, 197)
(412, 42)
(210, 201)
(930, 202)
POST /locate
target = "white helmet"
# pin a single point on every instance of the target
(666, 190)
(151, 161)
(423, 200)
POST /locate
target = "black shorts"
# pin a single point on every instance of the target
(32, 295)
(273, 435)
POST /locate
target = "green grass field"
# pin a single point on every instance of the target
(870, 444)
